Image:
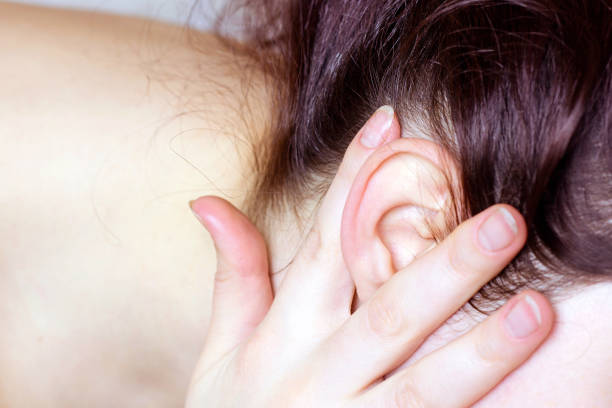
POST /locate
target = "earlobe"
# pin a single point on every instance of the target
(399, 194)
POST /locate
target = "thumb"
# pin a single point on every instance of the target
(243, 292)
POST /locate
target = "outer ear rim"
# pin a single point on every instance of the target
(425, 148)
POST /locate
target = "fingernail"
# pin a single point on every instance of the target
(524, 318)
(372, 134)
(498, 231)
(193, 211)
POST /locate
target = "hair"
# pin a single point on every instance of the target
(519, 92)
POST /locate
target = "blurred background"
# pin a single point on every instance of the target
(174, 11)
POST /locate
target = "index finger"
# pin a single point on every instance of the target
(318, 272)
(389, 327)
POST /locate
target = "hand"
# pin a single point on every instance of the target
(305, 348)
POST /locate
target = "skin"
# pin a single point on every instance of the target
(110, 123)
(304, 348)
(95, 197)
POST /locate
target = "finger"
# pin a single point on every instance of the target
(463, 371)
(318, 271)
(380, 129)
(242, 292)
(387, 329)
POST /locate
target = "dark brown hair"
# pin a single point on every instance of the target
(518, 91)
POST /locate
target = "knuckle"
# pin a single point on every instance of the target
(460, 260)
(489, 352)
(384, 317)
(406, 395)
(223, 275)
(313, 244)
(318, 249)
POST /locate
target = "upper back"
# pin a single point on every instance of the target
(109, 125)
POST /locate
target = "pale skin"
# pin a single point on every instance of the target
(259, 352)
(107, 279)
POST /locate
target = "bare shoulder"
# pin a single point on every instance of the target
(112, 124)
(87, 30)
(89, 75)
(36, 40)
(55, 23)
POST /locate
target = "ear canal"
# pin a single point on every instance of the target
(399, 193)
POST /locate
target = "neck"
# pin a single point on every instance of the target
(571, 369)
(284, 233)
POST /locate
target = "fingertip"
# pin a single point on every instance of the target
(381, 128)
(219, 216)
(500, 230)
(518, 219)
(210, 211)
(394, 132)
(527, 318)
(236, 239)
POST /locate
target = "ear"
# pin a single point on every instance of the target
(399, 195)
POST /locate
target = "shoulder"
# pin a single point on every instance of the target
(80, 74)
(113, 124)
(131, 48)
(132, 109)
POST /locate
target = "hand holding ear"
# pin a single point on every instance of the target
(399, 195)
(304, 348)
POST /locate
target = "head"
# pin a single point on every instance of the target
(515, 95)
